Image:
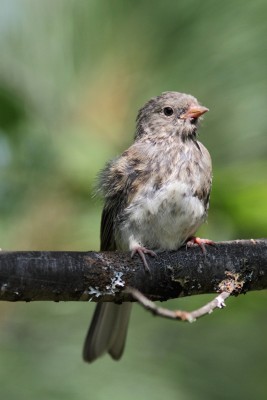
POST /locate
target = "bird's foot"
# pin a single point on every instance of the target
(141, 251)
(200, 242)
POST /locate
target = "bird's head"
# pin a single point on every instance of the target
(171, 113)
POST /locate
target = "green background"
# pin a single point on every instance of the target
(72, 77)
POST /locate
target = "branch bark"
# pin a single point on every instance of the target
(103, 276)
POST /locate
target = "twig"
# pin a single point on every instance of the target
(232, 284)
(218, 302)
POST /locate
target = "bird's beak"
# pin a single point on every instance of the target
(194, 112)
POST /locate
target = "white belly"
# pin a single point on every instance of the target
(163, 219)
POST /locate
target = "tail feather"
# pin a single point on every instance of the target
(108, 331)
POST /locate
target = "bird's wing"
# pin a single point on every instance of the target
(207, 167)
(119, 185)
(107, 240)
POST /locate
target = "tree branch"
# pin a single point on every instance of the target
(83, 276)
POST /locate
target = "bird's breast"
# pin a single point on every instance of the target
(165, 218)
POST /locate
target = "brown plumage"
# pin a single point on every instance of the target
(156, 197)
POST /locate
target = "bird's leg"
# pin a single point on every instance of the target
(200, 242)
(141, 251)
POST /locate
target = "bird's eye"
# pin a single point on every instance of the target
(168, 111)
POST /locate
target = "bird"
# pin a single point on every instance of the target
(156, 196)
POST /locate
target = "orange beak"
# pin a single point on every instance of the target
(194, 112)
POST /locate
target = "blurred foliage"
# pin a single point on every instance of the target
(72, 77)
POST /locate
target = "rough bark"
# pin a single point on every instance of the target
(94, 276)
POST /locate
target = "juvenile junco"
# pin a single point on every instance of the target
(156, 197)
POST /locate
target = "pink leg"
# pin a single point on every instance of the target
(200, 242)
(141, 251)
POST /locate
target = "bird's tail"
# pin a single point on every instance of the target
(107, 332)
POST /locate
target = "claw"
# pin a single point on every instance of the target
(141, 251)
(200, 242)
